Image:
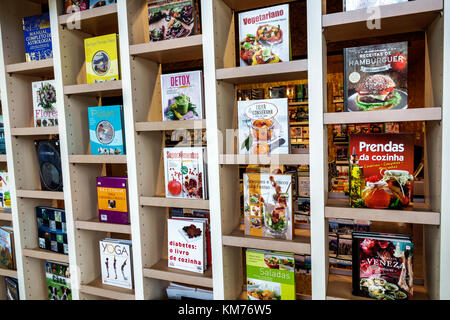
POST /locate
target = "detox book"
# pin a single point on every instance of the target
(106, 130)
(44, 103)
(116, 262)
(112, 193)
(38, 37)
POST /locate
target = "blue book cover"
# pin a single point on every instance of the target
(38, 38)
(2, 137)
(106, 130)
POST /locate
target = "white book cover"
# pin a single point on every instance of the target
(263, 126)
(116, 263)
(186, 245)
(360, 4)
(185, 172)
(44, 103)
(264, 35)
(182, 96)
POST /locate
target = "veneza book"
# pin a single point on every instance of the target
(182, 96)
(38, 37)
(361, 4)
(44, 103)
(102, 58)
(270, 275)
(112, 195)
(187, 244)
(263, 126)
(381, 170)
(7, 252)
(185, 172)
(264, 36)
(383, 266)
(172, 19)
(12, 288)
(268, 205)
(52, 229)
(106, 130)
(376, 77)
(58, 281)
(116, 262)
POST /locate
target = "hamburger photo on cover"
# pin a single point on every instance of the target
(377, 92)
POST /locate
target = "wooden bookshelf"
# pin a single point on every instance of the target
(285, 159)
(3, 158)
(109, 88)
(170, 125)
(39, 194)
(8, 273)
(35, 131)
(96, 159)
(174, 202)
(96, 225)
(41, 254)
(32, 68)
(97, 288)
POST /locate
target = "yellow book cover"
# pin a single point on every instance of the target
(102, 58)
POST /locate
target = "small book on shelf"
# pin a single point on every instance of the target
(100, 3)
(52, 230)
(5, 194)
(112, 195)
(7, 250)
(58, 281)
(38, 37)
(102, 58)
(177, 291)
(2, 137)
(75, 5)
(44, 103)
(12, 288)
(116, 262)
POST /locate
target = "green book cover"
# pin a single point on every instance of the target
(270, 275)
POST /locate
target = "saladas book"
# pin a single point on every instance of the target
(38, 37)
(112, 193)
(376, 77)
(182, 96)
(264, 36)
(116, 262)
(106, 130)
(270, 275)
(52, 229)
(58, 281)
(102, 58)
(44, 103)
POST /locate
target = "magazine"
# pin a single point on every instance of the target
(112, 195)
(102, 58)
(116, 262)
(44, 103)
(58, 281)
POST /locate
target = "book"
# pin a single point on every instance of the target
(12, 288)
(270, 275)
(100, 3)
(38, 37)
(376, 77)
(169, 19)
(44, 103)
(185, 172)
(187, 244)
(52, 229)
(116, 262)
(57, 276)
(2, 137)
(382, 266)
(263, 126)
(106, 130)
(361, 4)
(264, 35)
(75, 5)
(268, 205)
(381, 170)
(5, 195)
(102, 58)
(112, 193)
(7, 251)
(177, 291)
(182, 96)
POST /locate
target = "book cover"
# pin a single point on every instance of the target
(376, 77)
(38, 37)
(177, 291)
(100, 3)
(169, 19)
(7, 254)
(106, 130)
(5, 195)
(58, 281)
(361, 4)
(102, 58)
(78, 5)
(52, 229)
(182, 96)
(264, 35)
(263, 126)
(381, 170)
(44, 103)
(270, 275)
(112, 195)
(116, 262)
(12, 288)
(383, 266)
(185, 172)
(268, 205)
(187, 244)
(2, 137)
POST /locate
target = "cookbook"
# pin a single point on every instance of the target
(112, 193)
(44, 103)
(38, 37)
(116, 262)
(102, 58)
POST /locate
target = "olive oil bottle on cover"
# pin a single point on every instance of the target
(356, 181)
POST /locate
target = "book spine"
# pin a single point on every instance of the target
(345, 80)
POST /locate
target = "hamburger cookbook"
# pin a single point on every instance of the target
(376, 77)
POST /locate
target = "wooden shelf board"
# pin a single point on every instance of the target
(96, 225)
(96, 21)
(340, 288)
(35, 131)
(3, 158)
(414, 114)
(104, 89)
(161, 271)
(41, 254)
(8, 273)
(283, 71)
(300, 244)
(170, 125)
(168, 51)
(97, 159)
(32, 68)
(420, 213)
(239, 5)
(174, 203)
(242, 159)
(5, 216)
(301, 103)
(39, 194)
(97, 288)
(395, 19)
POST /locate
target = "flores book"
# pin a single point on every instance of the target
(58, 281)
(116, 262)
(44, 103)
